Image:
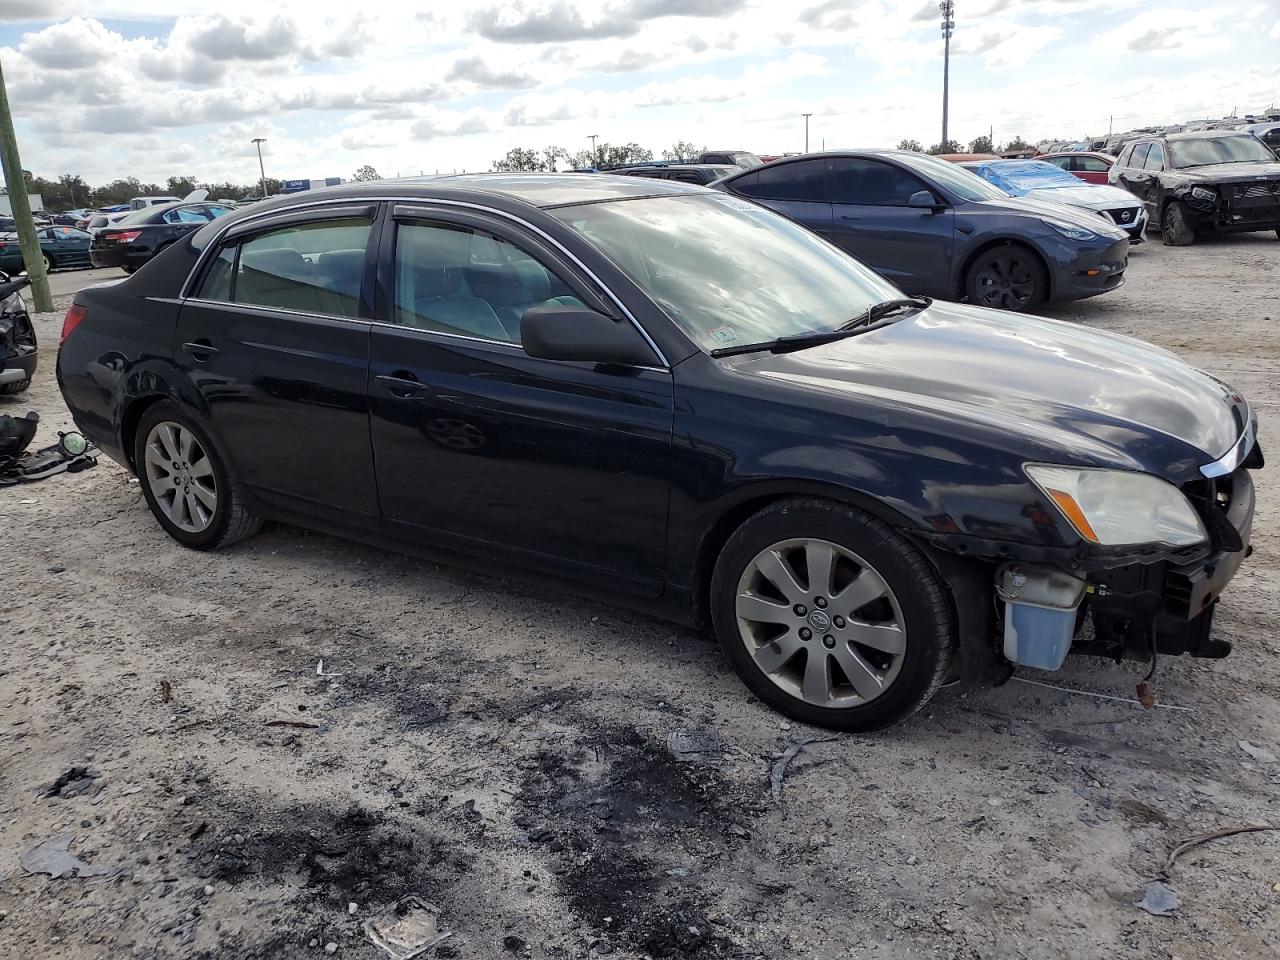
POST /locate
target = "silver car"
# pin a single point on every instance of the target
(1045, 181)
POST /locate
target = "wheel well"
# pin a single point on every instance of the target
(1005, 241)
(129, 424)
(727, 523)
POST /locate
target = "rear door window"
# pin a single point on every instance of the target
(1064, 162)
(1155, 158)
(1139, 156)
(311, 268)
(801, 180)
(186, 215)
(1090, 165)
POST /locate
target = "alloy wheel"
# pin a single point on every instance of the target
(1006, 281)
(180, 475)
(821, 623)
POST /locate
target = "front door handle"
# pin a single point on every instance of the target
(845, 216)
(402, 384)
(200, 349)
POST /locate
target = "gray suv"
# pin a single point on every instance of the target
(936, 229)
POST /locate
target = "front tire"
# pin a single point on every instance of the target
(48, 263)
(9, 389)
(831, 616)
(1175, 226)
(186, 481)
(1007, 277)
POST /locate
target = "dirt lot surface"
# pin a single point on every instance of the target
(502, 752)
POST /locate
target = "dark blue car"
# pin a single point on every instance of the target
(936, 229)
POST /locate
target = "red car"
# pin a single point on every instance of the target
(1089, 167)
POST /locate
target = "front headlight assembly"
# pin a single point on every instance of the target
(1069, 230)
(1117, 507)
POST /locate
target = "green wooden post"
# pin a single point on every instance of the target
(32, 255)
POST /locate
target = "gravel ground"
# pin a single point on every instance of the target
(502, 752)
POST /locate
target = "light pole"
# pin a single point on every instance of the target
(594, 156)
(259, 141)
(948, 9)
(806, 130)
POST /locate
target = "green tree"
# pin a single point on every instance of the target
(519, 159)
(951, 146)
(365, 173)
(179, 186)
(683, 151)
(611, 156)
(915, 146)
(552, 156)
(982, 145)
(1017, 143)
(77, 191)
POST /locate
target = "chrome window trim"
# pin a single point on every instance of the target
(1227, 465)
(426, 202)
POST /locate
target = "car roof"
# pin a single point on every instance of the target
(674, 166)
(1074, 153)
(534, 189)
(1201, 135)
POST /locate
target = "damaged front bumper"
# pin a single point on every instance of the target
(1139, 601)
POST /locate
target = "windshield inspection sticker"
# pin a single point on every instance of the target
(724, 336)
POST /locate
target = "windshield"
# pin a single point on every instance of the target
(1020, 177)
(1202, 152)
(965, 184)
(747, 160)
(727, 271)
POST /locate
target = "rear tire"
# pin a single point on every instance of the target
(186, 481)
(9, 389)
(48, 263)
(1007, 277)
(1175, 227)
(831, 616)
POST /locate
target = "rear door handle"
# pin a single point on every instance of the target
(402, 384)
(200, 349)
(845, 216)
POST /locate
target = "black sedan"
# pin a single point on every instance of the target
(19, 352)
(133, 240)
(933, 228)
(683, 402)
(1210, 181)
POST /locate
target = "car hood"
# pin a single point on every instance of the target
(1057, 391)
(1227, 172)
(1094, 197)
(1053, 209)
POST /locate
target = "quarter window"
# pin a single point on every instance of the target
(1063, 162)
(217, 281)
(872, 183)
(801, 180)
(455, 279)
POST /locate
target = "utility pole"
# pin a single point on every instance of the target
(948, 9)
(806, 130)
(595, 157)
(20, 207)
(259, 141)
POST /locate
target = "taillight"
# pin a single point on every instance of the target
(75, 314)
(127, 236)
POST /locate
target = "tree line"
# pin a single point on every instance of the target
(551, 159)
(977, 145)
(70, 191)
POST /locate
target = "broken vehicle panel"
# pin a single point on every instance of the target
(1204, 182)
(18, 347)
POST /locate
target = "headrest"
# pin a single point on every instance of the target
(283, 262)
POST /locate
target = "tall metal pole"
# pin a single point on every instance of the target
(262, 171)
(20, 207)
(806, 130)
(948, 9)
(595, 157)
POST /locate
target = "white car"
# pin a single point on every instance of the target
(1044, 181)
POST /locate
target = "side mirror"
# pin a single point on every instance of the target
(923, 198)
(556, 332)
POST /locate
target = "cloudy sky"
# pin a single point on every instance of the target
(110, 88)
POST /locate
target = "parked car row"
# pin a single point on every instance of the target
(682, 400)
